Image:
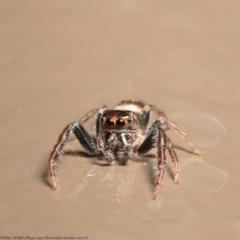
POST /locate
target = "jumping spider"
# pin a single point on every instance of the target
(121, 133)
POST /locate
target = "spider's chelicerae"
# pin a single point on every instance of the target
(121, 133)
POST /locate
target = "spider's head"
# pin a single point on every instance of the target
(119, 121)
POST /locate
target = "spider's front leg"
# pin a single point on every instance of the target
(84, 139)
(157, 138)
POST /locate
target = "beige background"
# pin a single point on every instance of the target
(59, 59)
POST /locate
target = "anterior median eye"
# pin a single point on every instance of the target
(110, 122)
(120, 122)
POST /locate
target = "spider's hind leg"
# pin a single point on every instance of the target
(168, 124)
(172, 125)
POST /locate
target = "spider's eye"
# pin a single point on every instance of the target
(120, 122)
(129, 120)
(110, 122)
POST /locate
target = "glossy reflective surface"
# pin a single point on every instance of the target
(60, 59)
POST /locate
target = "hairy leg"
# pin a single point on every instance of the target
(84, 139)
(156, 138)
(161, 154)
(172, 125)
(174, 158)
